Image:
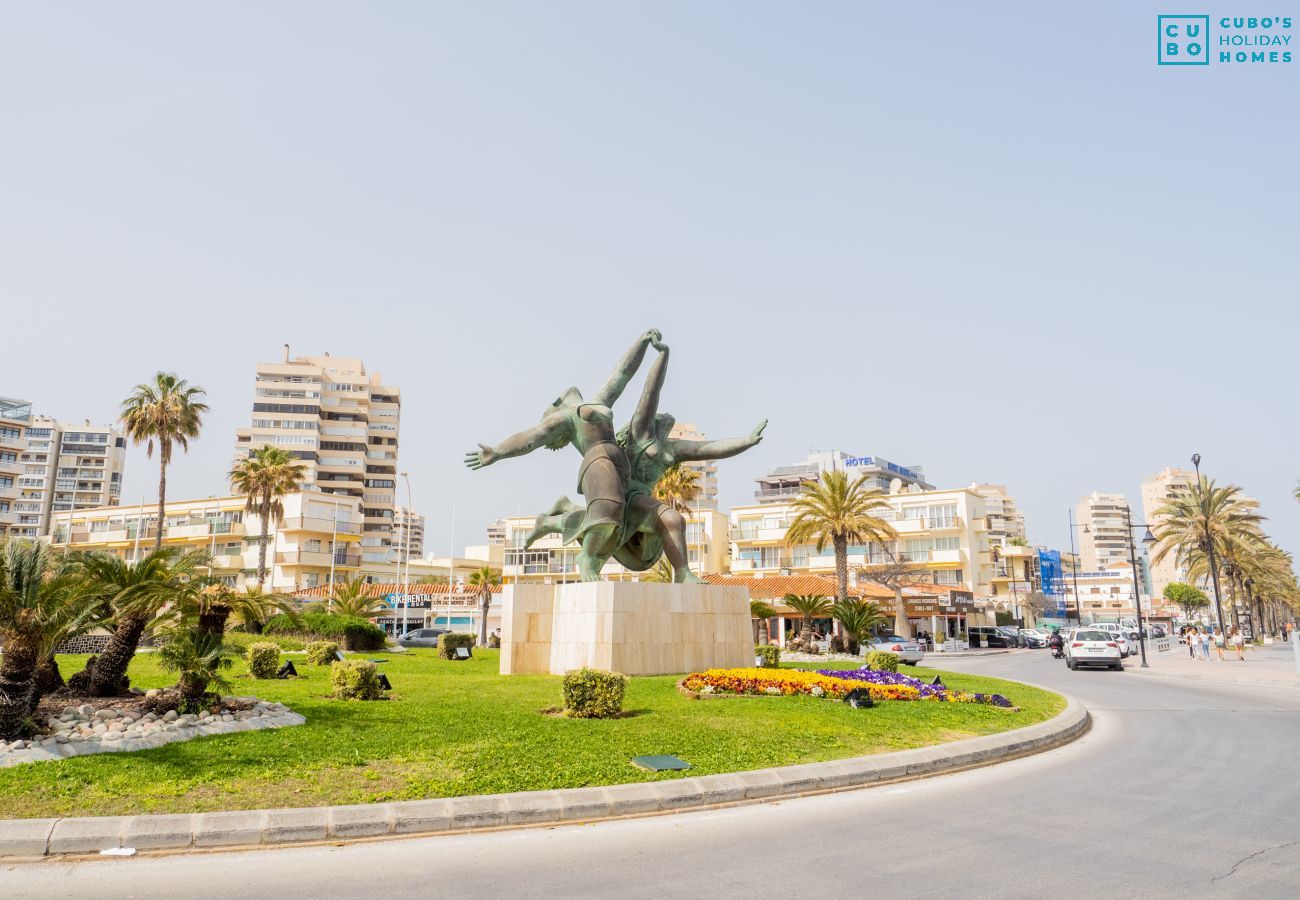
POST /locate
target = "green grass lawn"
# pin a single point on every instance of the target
(452, 729)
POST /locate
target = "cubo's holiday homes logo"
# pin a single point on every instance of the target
(1186, 40)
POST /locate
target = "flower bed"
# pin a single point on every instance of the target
(830, 683)
(925, 691)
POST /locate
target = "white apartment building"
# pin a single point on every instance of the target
(66, 467)
(1103, 532)
(708, 468)
(944, 531)
(550, 562)
(784, 482)
(408, 534)
(343, 422)
(1157, 490)
(15, 416)
(1106, 595)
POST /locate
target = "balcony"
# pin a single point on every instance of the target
(203, 529)
(328, 526)
(322, 558)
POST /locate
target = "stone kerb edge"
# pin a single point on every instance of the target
(36, 838)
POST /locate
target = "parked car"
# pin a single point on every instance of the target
(1090, 646)
(421, 637)
(1012, 632)
(1034, 638)
(988, 636)
(907, 650)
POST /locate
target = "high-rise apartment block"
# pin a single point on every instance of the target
(784, 482)
(707, 498)
(64, 467)
(1103, 531)
(15, 417)
(408, 534)
(343, 422)
(1157, 490)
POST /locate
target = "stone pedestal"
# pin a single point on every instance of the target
(636, 628)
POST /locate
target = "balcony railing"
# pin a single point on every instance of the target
(317, 558)
(308, 523)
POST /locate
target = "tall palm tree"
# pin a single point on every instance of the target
(483, 580)
(1205, 517)
(809, 607)
(166, 411)
(136, 592)
(264, 478)
(29, 592)
(678, 487)
(762, 613)
(835, 511)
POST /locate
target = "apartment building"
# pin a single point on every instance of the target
(408, 534)
(1103, 532)
(1157, 490)
(343, 423)
(550, 562)
(66, 467)
(319, 537)
(15, 416)
(707, 468)
(784, 482)
(944, 532)
(1106, 595)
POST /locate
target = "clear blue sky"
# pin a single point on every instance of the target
(993, 239)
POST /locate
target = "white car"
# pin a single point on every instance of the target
(1092, 647)
(1120, 636)
(907, 650)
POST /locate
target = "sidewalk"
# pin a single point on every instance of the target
(1268, 664)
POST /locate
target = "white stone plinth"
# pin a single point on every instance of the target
(637, 628)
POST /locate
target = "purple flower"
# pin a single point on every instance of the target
(928, 691)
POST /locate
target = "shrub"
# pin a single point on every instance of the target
(939, 638)
(240, 641)
(355, 679)
(447, 643)
(882, 661)
(593, 694)
(321, 653)
(263, 659)
(353, 632)
(770, 654)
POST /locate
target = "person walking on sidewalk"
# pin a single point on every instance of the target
(1219, 642)
(1190, 635)
(1239, 643)
(1203, 638)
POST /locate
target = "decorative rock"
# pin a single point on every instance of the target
(170, 716)
(153, 694)
(112, 736)
(85, 711)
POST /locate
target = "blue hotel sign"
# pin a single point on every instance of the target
(1184, 40)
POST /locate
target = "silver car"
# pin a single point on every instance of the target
(907, 650)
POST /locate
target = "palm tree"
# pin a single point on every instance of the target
(483, 580)
(29, 593)
(761, 612)
(662, 573)
(678, 487)
(859, 618)
(166, 411)
(198, 657)
(836, 511)
(809, 607)
(354, 598)
(217, 604)
(136, 592)
(265, 477)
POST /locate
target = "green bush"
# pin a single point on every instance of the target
(882, 661)
(355, 679)
(352, 632)
(770, 654)
(593, 694)
(263, 659)
(240, 641)
(321, 653)
(447, 643)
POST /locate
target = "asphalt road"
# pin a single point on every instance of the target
(1181, 789)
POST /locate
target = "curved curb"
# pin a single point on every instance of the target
(31, 839)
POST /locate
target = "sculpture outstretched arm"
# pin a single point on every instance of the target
(519, 444)
(642, 425)
(693, 450)
(612, 389)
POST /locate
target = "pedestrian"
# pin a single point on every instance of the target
(1203, 638)
(1239, 642)
(1219, 642)
(1189, 634)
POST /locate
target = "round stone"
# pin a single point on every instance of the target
(85, 711)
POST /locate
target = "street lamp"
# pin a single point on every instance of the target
(1209, 550)
(1074, 568)
(406, 550)
(1147, 540)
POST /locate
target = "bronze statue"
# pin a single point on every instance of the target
(622, 517)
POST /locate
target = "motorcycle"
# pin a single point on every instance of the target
(1058, 651)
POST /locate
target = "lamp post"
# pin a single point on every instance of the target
(1249, 583)
(1074, 571)
(406, 550)
(1147, 539)
(1209, 550)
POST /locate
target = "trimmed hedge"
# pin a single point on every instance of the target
(770, 654)
(593, 693)
(447, 643)
(356, 679)
(882, 661)
(352, 632)
(263, 659)
(321, 653)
